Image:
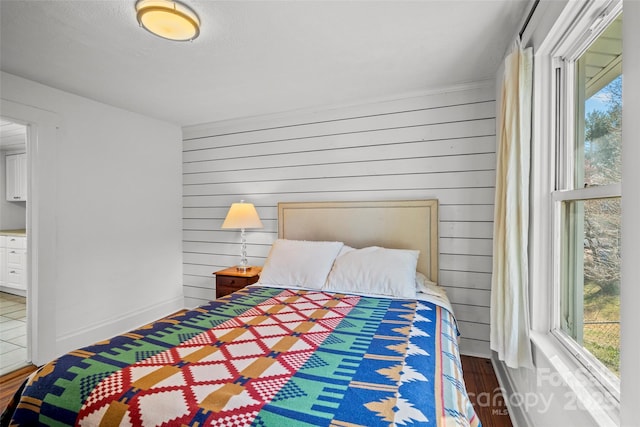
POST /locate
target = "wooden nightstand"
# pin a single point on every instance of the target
(230, 280)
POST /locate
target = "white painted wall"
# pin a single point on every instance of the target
(12, 214)
(110, 206)
(440, 145)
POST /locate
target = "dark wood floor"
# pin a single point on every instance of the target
(484, 392)
(482, 386)
(11, 382)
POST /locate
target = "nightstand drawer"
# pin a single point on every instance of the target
(230, 280)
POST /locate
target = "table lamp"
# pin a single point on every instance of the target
(242, 216)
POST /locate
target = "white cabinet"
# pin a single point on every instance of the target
(3, 260)
(16, 177)
(13, 251)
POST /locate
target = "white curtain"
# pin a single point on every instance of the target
(509, 283)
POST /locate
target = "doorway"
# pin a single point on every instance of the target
(14, 325)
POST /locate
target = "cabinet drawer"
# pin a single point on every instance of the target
(3, 241)
(14, 242)
(16, 278)
(16, 258)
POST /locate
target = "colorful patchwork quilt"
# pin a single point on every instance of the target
(264, 357)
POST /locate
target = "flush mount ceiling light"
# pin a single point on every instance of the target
(168, 19)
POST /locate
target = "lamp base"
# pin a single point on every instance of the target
(243, 268)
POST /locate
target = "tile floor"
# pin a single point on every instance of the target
(13, 332)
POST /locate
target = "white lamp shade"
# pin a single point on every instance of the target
(242, 215)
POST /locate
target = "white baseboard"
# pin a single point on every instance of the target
(191, 303)
(126, 322)
(13, 291)
(475, 354)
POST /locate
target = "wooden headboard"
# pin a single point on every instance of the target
(390, 224)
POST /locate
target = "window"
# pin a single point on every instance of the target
(587, 198)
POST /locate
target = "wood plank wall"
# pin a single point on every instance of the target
(434, 146)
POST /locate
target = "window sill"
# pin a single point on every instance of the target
(588, 394)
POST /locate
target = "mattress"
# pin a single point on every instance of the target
(264, 356)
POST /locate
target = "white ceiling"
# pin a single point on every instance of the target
(256, 57)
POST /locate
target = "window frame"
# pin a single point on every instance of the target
(586, 29)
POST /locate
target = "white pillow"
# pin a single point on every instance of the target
(299, 263)
(375, 270)
(426, 286)
(345, 249)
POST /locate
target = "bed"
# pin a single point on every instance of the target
(313, 343)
